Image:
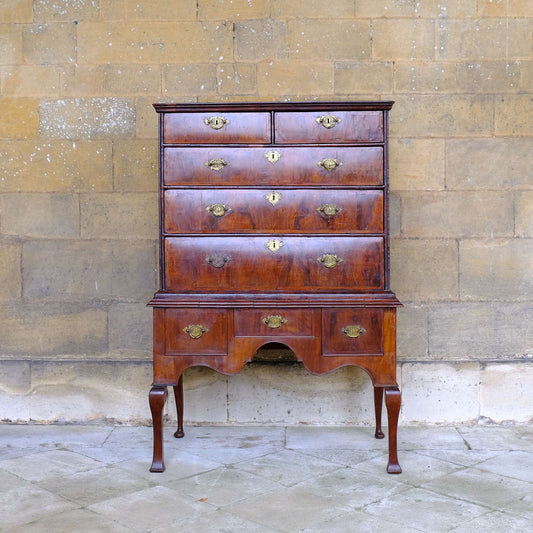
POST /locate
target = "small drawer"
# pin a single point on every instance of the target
(190, 128)
(335, 127)
(352, 331)
(273, 322)
(196, 332)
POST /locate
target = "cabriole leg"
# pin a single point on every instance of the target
(157, 397)
(178, 396)
(378, 404)
(393, 399)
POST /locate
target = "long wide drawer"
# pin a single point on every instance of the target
(273, 211)
(276, 263)
(319, 166)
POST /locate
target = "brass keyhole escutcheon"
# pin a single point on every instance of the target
(329, 260)
(195, 331)
(273, 197)
(353, 331)
(216, 122)
(274, 321)
(328, 121)
(329, 164)
(329, 210)
(218, 210)
(274, 245)
(272, 156)
(216, 164)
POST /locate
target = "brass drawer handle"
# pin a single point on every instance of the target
(330, 260)
(216, 164)
(353, 331)
(274, 245)
(218, 260)
(216, 122)
(195, 331)
(274, 321)
(329, 210)
(328, 121)
(329, 164)
(273, 197)
(218, 210)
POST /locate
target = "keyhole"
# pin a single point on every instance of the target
(218, 122)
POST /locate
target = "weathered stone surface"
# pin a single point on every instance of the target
(489, 76)
(261, 39)
(425, 77)
(397, 39)
(20, 118)
(148, 9)
(10, 44)
(237, 78)
(50, 44)
(512, 115)
(131, 79)
(30, 80)
(65, 10)
(504, 8)
(130, 329)
(82, 80)
(14, 391)
(412, 333)
(10, 272)
(524, 214)
(16, 11)
(190, 80)
(233, 9)
(135, 165)
(363, 77)
(307, 9)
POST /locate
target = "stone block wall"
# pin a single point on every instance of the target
(78, 196)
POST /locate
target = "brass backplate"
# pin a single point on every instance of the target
(353, 331)
(274, 245)
(272, 156)
(328, 121)
(329, 260)
(274, 321)
(195, 331)
(273, 197)
(216, 122)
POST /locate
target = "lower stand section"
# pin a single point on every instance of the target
(378, 405)
(178, 396)
(157, 397)
(393, 399)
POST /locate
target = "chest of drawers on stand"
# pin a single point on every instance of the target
(274, 228)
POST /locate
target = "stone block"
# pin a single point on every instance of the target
(425, 77)
(410, 9)
(261, 39)
(11, 44)
(307, 9)
(482, 331)
(401, 39)
(124, 215)
(489, 76)
(79, 118)
(395, 220)
(499, 269)
(130, 329)
(345, 40)
(40, 215)
(50, 44)
(131, 80)
(20, 118)
(484, 39)
(148, 9)
(103, 391)
(63, 10)
(10, 270)
(524, 214)
(29, 80)
(135, 165)
(16, 11)
(14, 391)
(440, 393)
(66, 269)
(506, 392)
(147, 124)
(365, 77)
(190, 79)
(234, 10)
(274, 394)
(457, 214)
(504, 8)
(442, 116)
(424, 270)
(52, 329)
(512, 115)
(416, 164)
(84, 80)
(154, 42)
(284, 77)
(237, 78)
(412, 333)
(496, 164)
(58, 166)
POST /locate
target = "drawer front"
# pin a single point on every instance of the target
(352, 331)
(298, 264)
(229, 166)
(273, 211)
(196, 332)
(273, 322)
(342, 127)
(184, 128)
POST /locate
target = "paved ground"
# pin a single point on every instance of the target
(265, 479)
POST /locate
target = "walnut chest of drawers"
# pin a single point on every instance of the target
(274, 228)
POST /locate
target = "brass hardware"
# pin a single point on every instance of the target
(216, 164)
(353, 331)
(273, 197)
(329, 164)
(216, 122)
(274, 245)
(274, 321)
(328, 121)
(195, 331)
(272, 156)
(218, 260)
(329, 210)
(218, 210)
(330, 260)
